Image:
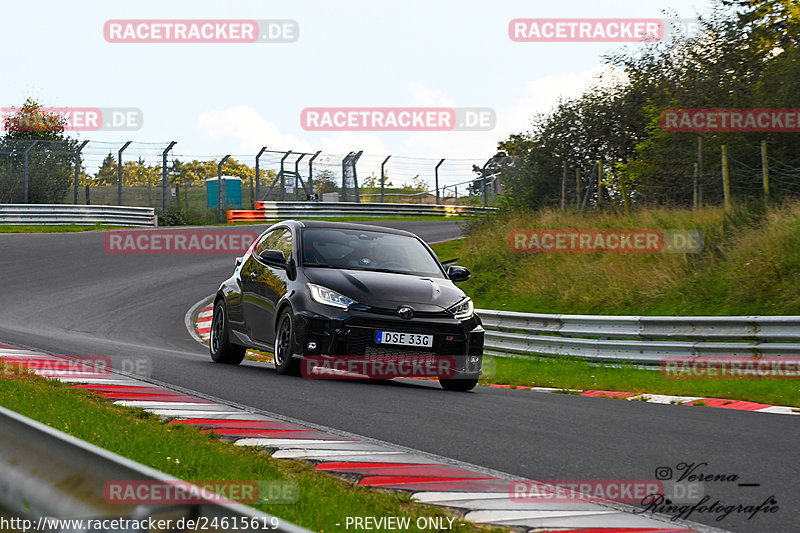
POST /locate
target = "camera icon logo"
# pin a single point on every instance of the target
(663, 473)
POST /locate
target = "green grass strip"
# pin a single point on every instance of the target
(570, 373)
(186, 453)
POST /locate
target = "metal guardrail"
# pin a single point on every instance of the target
(47, 473)
(639, 339)
(284, 210)
(56, 214)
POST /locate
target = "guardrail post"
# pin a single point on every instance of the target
(119, 172)
(383, 176)
(254, 195)
(310, 171)
(564, 186)
(77, 171)
(25, 163)
(436, 173)
(164, 178)
(578, 188)
(220, 196)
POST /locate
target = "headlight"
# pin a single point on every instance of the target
(325, 296)
(463, 310)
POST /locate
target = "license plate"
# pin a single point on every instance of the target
(404, 339)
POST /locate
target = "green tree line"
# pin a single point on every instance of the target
(746, 56)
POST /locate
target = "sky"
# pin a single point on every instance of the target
(221, 98)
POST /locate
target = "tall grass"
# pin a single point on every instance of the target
(750, 264)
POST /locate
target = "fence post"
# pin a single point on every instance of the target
(77, 171)
(765, 169)
(726, 178)
(699, 194)
(624, 187)
(695, 188)
(310, 173)
(599, 182)
(436, 172)
(254, 195)
(383, 176)
(164, 179)
(564, 186)
(119, 172)
(220, 196)
(25, 163)
(578, 188)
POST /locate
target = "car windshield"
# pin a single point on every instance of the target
(367, 250)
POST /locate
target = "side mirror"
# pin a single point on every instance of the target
(238, 261)
(273, 257)
(457, 273)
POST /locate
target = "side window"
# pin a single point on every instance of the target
(278, 239)
(263, 244)
(283, 241)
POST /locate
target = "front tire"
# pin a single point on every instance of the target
(220, 346)
(458, 385)
(284, 345)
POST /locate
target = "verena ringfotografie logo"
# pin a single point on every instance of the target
(199, 492)
(730, 367)
(378, 367)
(201, 31)
(398, 119)
(730, 120)
(605, 30)
(623, 241)
(73, 119)
(178, 241)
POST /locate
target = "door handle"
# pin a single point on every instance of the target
(253, 276)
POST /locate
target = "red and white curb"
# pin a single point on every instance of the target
(481, 496)
(668, 399)
(203, 323)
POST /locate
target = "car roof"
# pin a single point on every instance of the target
(348, 225)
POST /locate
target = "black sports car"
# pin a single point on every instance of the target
(328, 290)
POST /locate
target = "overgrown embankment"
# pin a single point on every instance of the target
(749, 265)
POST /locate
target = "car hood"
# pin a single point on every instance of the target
(387, 290)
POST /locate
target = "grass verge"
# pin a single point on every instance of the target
(184, 452)
(570, 373)
(749, 264)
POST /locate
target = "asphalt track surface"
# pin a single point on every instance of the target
(63, 293)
